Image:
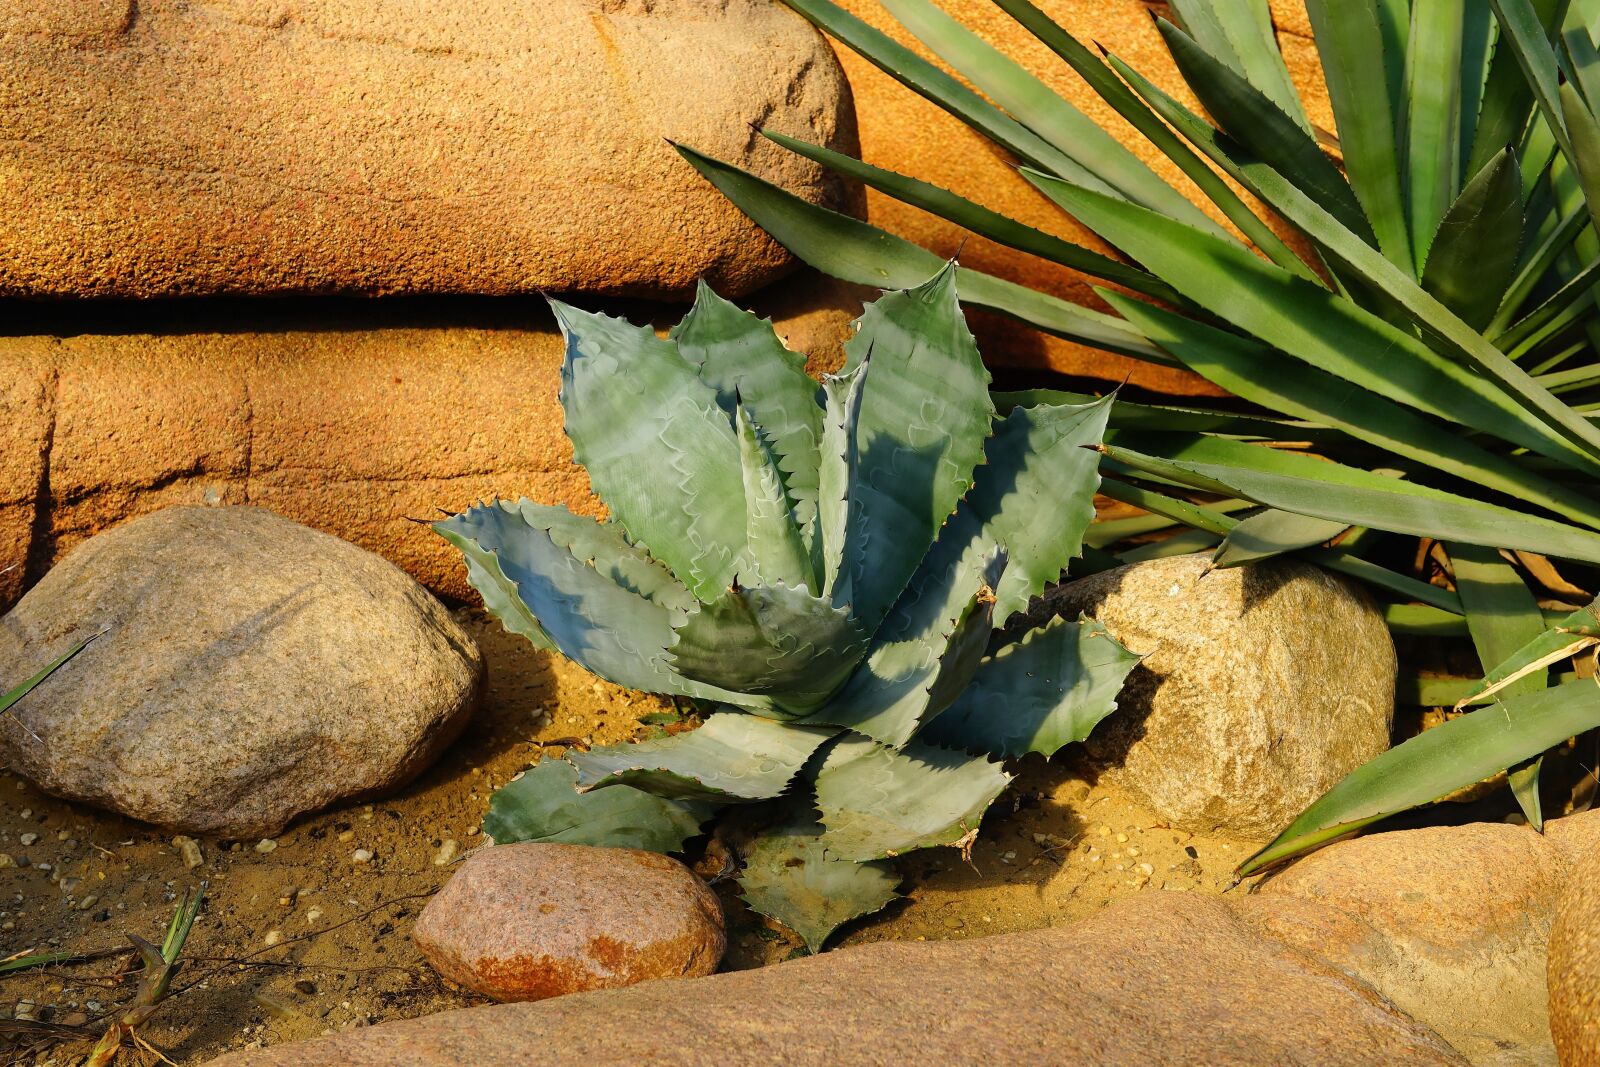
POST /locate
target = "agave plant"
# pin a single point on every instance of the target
(825, 568)
(1433, 342)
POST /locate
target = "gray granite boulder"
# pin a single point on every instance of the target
(250, 670)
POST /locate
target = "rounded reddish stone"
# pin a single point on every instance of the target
(529, 921)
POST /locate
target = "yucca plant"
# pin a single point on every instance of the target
(825, 568)
(1435, 347)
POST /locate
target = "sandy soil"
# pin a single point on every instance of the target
(302, 935)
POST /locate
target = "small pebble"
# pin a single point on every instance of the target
(28, 839)
(313, 914)
(1121, 838)
(6, 861)
(446, 853)
(272, 938)
(62, 835)
(189, 849)
(361, 855)
(27, 813)
(1133, 850)
(347, 835)
(88, 902)
(266, 845)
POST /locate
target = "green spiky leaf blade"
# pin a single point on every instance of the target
(732, 757)
(877, 801)
(1038, 694)
(923, 417)
(545, 805)
(791, 876)
(659, 450)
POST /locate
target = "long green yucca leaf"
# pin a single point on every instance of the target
(790, 875)
(938, 629)
(1129, 415)
(1333, 491)
(1552, 313)
(1415, 691)
(1111, 531)
(981, 220)
(772, 639)
(1534, 268)
(1437, 762)
(1210, 142)
(1423, 620)
(1507, 100)
(731, 758)
(1524, 34)
(1433, 89)
(543, 804)
(1114, 92)
(1242, 31)
(1529, 416)
(1349, 34)
(849, 249)
(1250, 370)
(1042, 110)
(1260, 125)
(1341, 560)
(877, 802)
(1038, 694)
(1478, 33)
(681, 506)
(1564, 639)
(1473, 258)
(1583, 130)
(1039, 454)
(925, 413)
(930, 82)
(29, 684)
(1502, 614)
(1191, 515)
(613, 631)
(1329, 332)
(1502, 617)
(1273, 533)
(739, 355)
(775, 548)
(1582, 58)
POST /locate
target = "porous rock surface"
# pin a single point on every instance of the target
(1161, 978)
(248, 670)
(534, 920)
(352, 419)
(183, 147)
(1262, 686)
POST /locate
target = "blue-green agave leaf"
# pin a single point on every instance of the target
(1038, 694)
(791, 875)
(836, 463)
(594, 614)
(660, 451)
(1035, 495)
(929, 645)
(740, 356)
(543, 804)
(877, 801)
(924, 414)
(773, 640)
(731, 758)
(775, 551)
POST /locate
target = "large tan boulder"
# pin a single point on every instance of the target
(1573, 968)
(903, 132)
(383, 146)
(1261, 687)
(1161, 978)
(350, 419)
